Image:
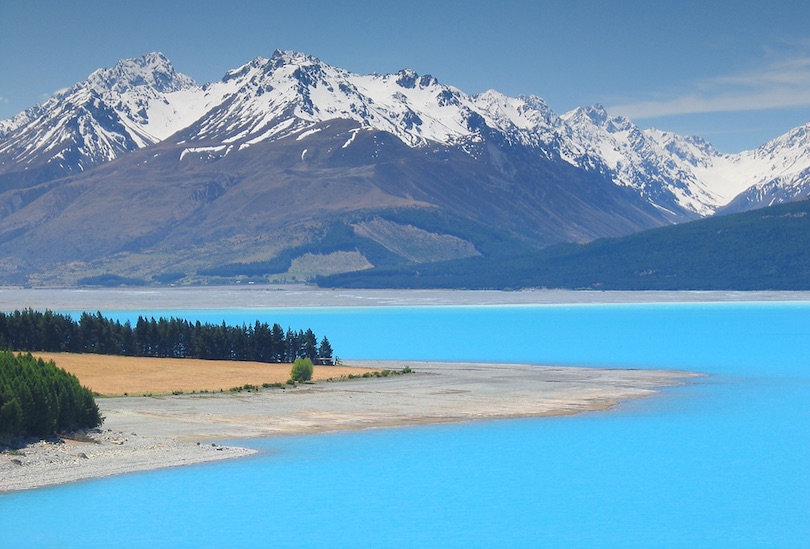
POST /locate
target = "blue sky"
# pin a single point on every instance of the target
(736, 73)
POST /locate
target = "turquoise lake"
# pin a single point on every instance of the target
(721, 462)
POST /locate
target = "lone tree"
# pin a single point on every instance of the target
(301, 369)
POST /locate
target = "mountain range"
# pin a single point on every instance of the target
(289, 167)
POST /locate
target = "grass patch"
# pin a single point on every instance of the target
(249, 387)
(373, 374)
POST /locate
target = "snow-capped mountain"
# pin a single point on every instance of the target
(284, 153)
(685, 173)
(632, 158)
(134, 104)
(142, 101)
(289, 93)
(776, 172)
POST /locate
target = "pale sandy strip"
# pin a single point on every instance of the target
(270, 296)
(143, 433)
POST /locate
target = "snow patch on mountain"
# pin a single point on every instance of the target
(197, 150)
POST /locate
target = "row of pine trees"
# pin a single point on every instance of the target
(39, 399)
(30, 330)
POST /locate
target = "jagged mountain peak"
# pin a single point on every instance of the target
(409, 78)
(776, 172)
(528, 119)
(691, 148)
(797, 139)
(153, 71)
(293, 57)
(137, 102)
(279, 59)
(643, 161)
(596, 115)
(234, 74)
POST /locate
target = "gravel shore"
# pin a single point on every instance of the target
(144, 433)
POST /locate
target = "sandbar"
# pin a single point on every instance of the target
(145, 433)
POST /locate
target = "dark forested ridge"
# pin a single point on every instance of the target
(39, 399)
(30, 330)
(765, 249)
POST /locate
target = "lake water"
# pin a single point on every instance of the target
(723, 462)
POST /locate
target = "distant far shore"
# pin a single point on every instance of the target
(269, 296)
(145, 433)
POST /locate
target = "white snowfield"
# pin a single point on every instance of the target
(142, 101)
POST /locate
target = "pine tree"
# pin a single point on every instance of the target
(325, 349)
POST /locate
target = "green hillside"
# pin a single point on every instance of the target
(762, 249)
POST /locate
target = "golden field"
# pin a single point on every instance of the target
(118, 375)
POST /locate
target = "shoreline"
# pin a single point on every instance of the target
(148, 433)
(300, 296)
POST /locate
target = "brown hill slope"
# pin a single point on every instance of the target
(171, 207)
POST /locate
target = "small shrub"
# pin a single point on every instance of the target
(301, 369)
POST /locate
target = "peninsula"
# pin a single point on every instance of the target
(144, 433)
(150, 432)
